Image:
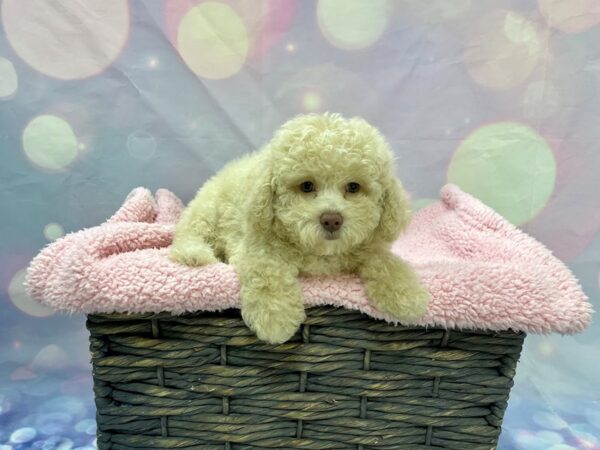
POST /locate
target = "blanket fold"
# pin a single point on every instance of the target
(481, 271)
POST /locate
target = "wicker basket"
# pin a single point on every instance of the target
(202, 381)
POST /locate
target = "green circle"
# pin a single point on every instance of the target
(53, 231)
(508, 166)
(353, 24)
(312, 101)
(213, 40)
(50, 142)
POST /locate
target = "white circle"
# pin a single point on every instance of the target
(22, 435)
(67, 39)
(22, 300)
(9, 82)
(51, 357)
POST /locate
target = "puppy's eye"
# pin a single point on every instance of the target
(307, 186)
(352, 187)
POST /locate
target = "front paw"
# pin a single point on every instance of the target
(274, 321)
(404, 300)
(193, 254)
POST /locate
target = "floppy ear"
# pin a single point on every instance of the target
(259, 212)
(395, 210)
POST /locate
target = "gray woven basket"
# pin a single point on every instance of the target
(202, 381)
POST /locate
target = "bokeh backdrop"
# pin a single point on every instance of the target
(98, 97)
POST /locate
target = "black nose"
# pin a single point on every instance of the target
(331, 221)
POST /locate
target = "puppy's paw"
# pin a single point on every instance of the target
(402, 299)
(274, 321)
(193, 254)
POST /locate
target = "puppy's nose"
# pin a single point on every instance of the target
(331, 221)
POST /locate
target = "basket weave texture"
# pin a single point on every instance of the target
(202, 381)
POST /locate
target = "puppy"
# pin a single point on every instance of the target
(320, 198)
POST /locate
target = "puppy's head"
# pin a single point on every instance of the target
(327, 185)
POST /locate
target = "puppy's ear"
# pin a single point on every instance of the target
(395, 210)
(260, 199)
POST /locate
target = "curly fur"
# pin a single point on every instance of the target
(254, 215)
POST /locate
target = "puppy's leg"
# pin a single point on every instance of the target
(272, 303)
(194, 231)
(393, 286)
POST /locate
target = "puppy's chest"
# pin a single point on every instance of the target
(325, 265)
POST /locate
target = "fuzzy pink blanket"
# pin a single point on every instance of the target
(481, 271)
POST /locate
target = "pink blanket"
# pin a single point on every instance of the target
(481, 271)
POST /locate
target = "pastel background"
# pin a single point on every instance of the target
(98, 97)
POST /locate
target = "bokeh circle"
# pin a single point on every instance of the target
(508, 166)
(9, 82)
(312, 101)
(266, 21)
(141, 145)
(572, 16)
(353, 24)
(23, 435)
(50, 143)
(212, 40)
(69, 39)
(53, 231)
(22, 300)
(50, 358)
(326, 88)
(503, 49)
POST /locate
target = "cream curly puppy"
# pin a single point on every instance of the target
(321, 198)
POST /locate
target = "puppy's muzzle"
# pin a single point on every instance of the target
(332, 222)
